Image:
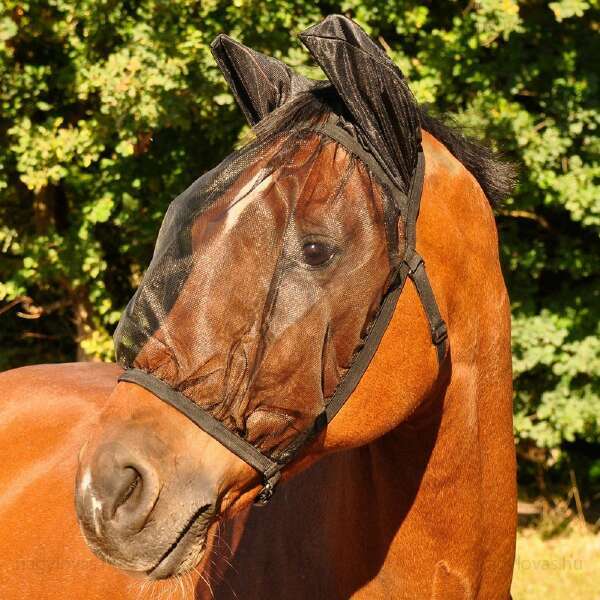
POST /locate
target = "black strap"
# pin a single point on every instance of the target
(357, 369)
(437, 325)
(270, 469)
(415, 265)
(414, 201)
(395, 202)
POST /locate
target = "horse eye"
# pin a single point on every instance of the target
(316, 253)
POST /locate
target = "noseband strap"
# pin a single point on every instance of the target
(410, 266)
(270, 469)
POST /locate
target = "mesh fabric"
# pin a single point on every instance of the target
(231, 314)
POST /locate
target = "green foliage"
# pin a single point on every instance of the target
(108, 109)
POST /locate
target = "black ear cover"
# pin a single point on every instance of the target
(259, 83)
(373, 90)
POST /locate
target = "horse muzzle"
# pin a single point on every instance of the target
(150, 484)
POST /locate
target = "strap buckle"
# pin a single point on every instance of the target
(439, 333)
(413, 261)
(268, 488)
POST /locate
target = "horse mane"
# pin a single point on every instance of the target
(495, 175)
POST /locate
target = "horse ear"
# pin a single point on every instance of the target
(259, 83)
(373, 90)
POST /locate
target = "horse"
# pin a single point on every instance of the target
(270, 277)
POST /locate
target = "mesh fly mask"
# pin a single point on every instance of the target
(246, 211)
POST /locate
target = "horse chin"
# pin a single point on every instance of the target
(187, 548)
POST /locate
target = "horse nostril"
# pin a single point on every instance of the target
(134, 497)
(130, 488)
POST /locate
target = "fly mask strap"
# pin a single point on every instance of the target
(414, 265)
(270, 469)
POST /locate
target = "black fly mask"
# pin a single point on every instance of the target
(276, 274)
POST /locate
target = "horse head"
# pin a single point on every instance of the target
(269, 279)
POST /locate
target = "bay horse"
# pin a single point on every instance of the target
(409, 492)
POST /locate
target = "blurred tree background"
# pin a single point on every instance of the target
(110, 108)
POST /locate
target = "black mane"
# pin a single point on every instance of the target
(495, 176)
